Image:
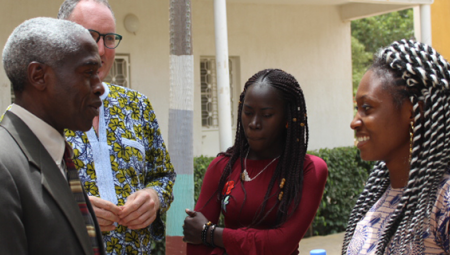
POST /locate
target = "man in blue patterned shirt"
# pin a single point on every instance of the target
(123, 162)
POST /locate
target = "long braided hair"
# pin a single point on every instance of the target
(290, 165)
(421, 75)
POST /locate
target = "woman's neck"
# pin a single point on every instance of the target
(262, 155)
(399, 172)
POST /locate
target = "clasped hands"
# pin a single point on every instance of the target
(139, 211)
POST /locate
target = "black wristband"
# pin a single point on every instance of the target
(213, 227)
(205, 232)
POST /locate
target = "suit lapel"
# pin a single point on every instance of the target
(51, 177)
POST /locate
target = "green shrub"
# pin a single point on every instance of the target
(347, 174)
(200, 165)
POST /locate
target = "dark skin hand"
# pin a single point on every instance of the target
(193, 226)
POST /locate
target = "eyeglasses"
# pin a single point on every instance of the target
(110, 40)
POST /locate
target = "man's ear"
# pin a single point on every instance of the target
(38, 75)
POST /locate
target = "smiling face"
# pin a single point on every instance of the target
(381, 126)
(96, 16)
(74, 89)
(263, 120)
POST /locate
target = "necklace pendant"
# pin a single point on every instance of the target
(245, 176)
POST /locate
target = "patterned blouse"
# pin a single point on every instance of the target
(129, 155)
(436, 240)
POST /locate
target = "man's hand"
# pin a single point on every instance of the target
(106, 212)
(140, 210)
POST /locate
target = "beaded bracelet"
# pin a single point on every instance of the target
(205, 231)
(213, 227)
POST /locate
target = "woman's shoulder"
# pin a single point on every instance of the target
(219, 162)
(221, 159)
(314, 163)
(217, 166)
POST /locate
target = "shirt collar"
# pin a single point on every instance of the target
(105, 94)
(50, 138)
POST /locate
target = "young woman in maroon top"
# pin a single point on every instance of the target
(266, 186)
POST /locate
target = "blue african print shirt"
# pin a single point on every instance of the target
(128, 154)
(436, 239)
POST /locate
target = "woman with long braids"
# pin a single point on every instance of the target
(403, 121)
(266, 186)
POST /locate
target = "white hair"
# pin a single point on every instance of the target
(67, 7)
(45, 40)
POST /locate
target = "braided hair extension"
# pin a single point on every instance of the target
(290, 165)
(421, 75)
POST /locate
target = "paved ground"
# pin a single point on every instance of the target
(331, 243)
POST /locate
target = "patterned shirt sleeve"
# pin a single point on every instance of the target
(160, 174)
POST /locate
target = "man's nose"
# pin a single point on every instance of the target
(97, 86)
(101, 46)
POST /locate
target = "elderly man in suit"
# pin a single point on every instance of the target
(53, 68)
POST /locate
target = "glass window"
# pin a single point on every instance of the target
(120, 71)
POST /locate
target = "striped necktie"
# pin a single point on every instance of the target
(77, 190)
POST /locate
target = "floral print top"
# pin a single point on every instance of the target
(369, 230)
(138, 159)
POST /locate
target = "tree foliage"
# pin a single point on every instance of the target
(380, 31)
(373, 33)
(361, 60)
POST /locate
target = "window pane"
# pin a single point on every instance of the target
(208, 87)
(119, 73)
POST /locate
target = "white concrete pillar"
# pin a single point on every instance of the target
(181, 122)
(223, 74)
(417, 33)
(425, 24)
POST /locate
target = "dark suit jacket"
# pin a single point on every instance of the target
(38, 213)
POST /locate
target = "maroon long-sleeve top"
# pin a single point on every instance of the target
(261, 240)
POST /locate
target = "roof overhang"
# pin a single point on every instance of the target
(349, 9)
(366, 8)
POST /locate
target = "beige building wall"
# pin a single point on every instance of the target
(148, 47)
(12, 13)
(310, 42)
(440, 27)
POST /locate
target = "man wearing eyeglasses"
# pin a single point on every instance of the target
(122, 161)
